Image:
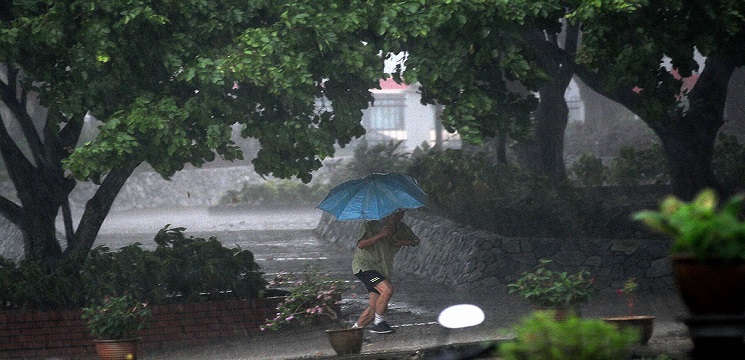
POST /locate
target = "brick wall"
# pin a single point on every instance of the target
(38, 334)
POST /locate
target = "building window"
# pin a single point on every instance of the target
(385, 119)
(387, 113)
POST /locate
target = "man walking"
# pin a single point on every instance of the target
(377, 245)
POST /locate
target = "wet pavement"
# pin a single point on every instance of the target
(283, 240)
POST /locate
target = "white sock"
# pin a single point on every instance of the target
(378, 319)
(355, 326)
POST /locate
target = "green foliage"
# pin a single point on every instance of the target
(501, 198)
(700, 227)
(194, 266)
(180, 269)
(199, 67)
(540, 337)
(312, 295)
(463, 63)
(282, 192)
(168, 81)
(634, 167)
(729, 162)
(37, 285)
(629, 291)
(589, 170)
(379, 158)
(130, 270)
(649, 166)
(543, 287)
(116, 318)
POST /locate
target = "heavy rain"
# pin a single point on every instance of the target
(173, 159)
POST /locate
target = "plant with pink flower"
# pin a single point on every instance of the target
(629, 290)
(312, 294)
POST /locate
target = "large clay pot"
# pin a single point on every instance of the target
(644, 324)
(711, 287)
(126, 349)
(346, 341)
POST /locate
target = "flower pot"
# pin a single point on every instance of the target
(346, 341)
(644, 324)
(125, 349)
(710, 287)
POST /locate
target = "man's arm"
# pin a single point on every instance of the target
(407, 242)
(365, 242)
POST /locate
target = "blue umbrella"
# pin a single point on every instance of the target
(373, 197)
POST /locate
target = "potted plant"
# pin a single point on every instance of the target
(707, 252)
(314, 296)
(644, 324)
(561, 292)
(115, 323)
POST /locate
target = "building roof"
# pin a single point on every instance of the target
(391, 85)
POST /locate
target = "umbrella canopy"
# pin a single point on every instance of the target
(373, 197)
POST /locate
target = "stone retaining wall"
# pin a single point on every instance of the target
(473, 260)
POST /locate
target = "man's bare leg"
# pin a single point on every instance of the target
(368, 314)
(385, 288)
(377, 304)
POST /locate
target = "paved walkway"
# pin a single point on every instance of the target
(283, 240)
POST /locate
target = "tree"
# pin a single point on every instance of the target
(168, 80)
(486, 63)
(623, 45)
(469, 52)
(470, 56)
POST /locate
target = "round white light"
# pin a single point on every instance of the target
(460, 316)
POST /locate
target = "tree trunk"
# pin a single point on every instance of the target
(734, 113)
(34, 165)
(96, 210)
(689, 156)
(688, 138)
(544, 153)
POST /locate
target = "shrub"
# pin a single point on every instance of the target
(729, 162)
(589, 170)
(312, 295)
(501, 198)
(130, 270)
(379, 158)
(271, 193)
(180, 269)
(543, 287)
(634, 167)
(540, 337)
(193, 268)
(36, 285)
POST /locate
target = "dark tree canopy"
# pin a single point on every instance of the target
(168, 80)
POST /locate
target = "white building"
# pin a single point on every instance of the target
(398, 114)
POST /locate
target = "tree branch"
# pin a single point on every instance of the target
(11, 211)
(96, 210)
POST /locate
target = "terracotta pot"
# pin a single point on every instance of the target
(346, 341)
(644, 324)
(125, 349)
(710, 287)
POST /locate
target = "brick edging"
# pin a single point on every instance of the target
(29, 334)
